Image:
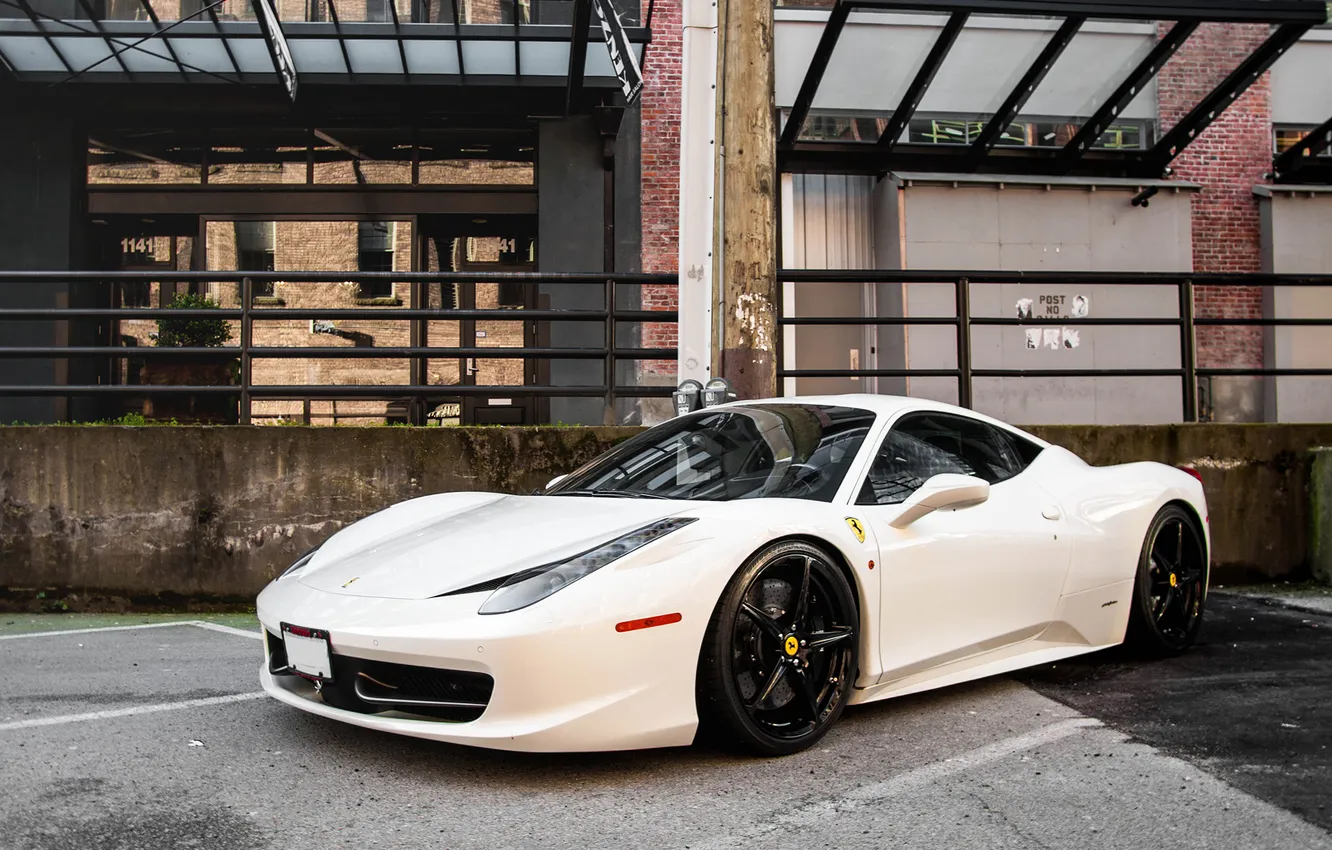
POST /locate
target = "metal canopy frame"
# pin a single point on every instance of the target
(1291, 19)
(572, 91)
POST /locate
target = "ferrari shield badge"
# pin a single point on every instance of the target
(792, 645)
(856, 528)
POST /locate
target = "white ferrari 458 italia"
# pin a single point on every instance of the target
(747, 570)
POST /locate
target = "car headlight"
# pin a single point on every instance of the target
(299, 565)
(531, 586)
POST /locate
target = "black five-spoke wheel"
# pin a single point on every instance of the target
(779, 658)
(1171, 584)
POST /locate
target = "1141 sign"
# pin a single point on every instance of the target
(138, 249)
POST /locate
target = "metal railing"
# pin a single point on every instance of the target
(95, 295)
(965, 372)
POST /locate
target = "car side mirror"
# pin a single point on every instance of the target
(556, 480)
(948, 490)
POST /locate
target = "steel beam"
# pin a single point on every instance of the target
(1303, 153)
(1191, 126)
(582, 22)
(226, 45)
(97, 25)
(1018, 98)
(1312, 12)
(517, 51)
(342, 42)
(152, 16)
(924, 77)
(457, 41)
(818, 64)
(36, 22)
(1128, 90)
(397, 30)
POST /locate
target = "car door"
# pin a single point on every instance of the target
(959, 583)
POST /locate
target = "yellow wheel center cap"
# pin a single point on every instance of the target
(792, 645)
(1174, 580)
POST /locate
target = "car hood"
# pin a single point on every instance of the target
(438, 544)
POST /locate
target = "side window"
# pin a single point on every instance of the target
(923, 445)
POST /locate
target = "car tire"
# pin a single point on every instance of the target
(1170, 587)
(774, 675)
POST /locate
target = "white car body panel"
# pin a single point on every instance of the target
(1040, 571)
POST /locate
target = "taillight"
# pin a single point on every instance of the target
(1191, 471)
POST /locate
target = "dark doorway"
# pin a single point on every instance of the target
(480, 243)
(138, 244)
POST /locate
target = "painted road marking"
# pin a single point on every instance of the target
(128, 712)
(229, 630)
(811, 814)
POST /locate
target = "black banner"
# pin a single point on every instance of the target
(622, 56)
(278, 48)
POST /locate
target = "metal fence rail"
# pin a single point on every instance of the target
(98, 292)
(963, 321)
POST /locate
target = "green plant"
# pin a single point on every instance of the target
(192, 333)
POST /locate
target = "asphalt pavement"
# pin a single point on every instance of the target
(154, 736)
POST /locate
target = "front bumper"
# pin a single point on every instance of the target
(564, 679)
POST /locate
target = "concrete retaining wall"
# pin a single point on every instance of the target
(1256, 477)
(217, 512)
(202, 511)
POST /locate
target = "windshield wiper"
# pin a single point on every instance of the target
(618, 494)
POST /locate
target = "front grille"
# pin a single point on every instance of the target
(400, 681)
(373, 687)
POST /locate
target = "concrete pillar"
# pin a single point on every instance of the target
(571, 210)
(43, 182)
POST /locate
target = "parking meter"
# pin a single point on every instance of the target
(687, 397)
(717, 391)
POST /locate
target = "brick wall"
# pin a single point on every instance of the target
(661, 179)
(1233, 155)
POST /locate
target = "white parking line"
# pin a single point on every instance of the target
(815, 812)
(60, 632)
(128, 712)
(227, 630)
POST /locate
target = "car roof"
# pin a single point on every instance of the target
(890, 406)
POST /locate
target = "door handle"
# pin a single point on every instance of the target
(1051, 512)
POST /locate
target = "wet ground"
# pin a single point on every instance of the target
(148, 735)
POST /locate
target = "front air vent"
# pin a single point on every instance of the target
(483, 587)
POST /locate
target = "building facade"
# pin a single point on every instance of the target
(461, 137)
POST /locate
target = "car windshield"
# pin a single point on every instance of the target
(773, 451)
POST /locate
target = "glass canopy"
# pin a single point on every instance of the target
(422, 41)
(1043, 87)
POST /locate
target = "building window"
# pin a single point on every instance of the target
(256, 246)
(957, 130)
(1285, 138)
(1026, 133)
(377, 11)
(375, 254)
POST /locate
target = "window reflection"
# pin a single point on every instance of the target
(965, 130)
(343, 11)
(142, 162)
(317, 156)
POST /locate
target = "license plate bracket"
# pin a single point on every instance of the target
(309, 653)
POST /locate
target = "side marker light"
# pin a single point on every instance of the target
(1191, 471)
(647, 622)
(871, 565)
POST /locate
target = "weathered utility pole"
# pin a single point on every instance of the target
(747, 231)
